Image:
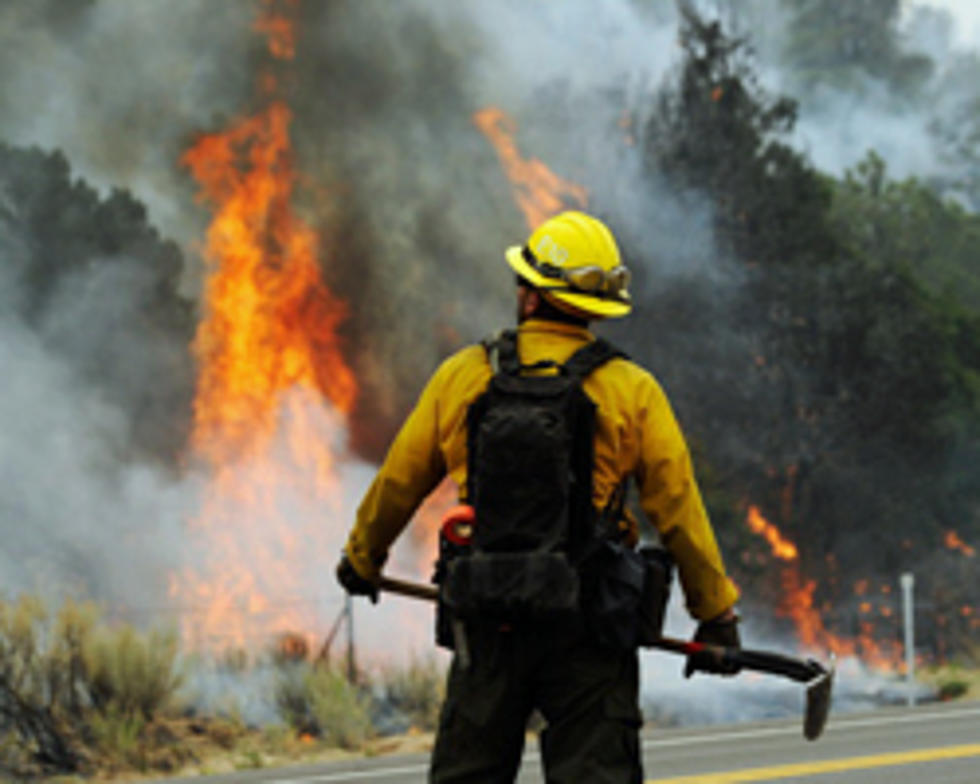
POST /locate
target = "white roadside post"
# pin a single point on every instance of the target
(908, 614)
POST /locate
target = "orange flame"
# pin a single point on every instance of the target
(539, 192)
(953, 542)
(278, 28)
(797, 604)
(782, 548)
(269, 359)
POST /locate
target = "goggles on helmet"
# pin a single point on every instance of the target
(590, 279)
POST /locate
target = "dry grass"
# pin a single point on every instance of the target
(953, 682)
(87, 699)
(959, 679)
(75, 693)
(318, 700)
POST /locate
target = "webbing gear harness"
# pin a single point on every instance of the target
(530, 464)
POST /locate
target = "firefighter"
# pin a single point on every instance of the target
(568, 274)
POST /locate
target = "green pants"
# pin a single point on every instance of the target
(587, 695)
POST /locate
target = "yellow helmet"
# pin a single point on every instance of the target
(574, 260)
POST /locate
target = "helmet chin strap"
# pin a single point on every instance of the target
(550, 309)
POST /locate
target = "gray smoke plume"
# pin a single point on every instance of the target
(78, 517)
(119, 86)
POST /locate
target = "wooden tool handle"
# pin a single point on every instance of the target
(405, 588)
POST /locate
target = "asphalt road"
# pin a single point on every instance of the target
(931, 743)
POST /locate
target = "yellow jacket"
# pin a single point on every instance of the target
(636, 434)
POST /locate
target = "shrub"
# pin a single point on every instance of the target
(319, 700)
(73, 690)
(118, 736)
(953, 688)
(38, 692)
(416, 691)
(131, 674)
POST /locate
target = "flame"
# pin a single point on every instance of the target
(782, 548)
(272, 380)
(539, 192)
(278, 28)
(953, 542)
(797, 604)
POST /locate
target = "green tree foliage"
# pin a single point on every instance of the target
(908, 225)
(852, 409)
(718, 132)
(97, 283)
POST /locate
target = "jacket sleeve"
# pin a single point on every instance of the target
(670, 498)
(413, 466)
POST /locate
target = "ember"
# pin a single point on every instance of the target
(953, 542)
(781, 548)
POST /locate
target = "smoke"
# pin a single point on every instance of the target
(839, 123)
(667, 697)
(118, 86)
(75, 517)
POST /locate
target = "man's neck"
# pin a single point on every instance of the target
(545, 311)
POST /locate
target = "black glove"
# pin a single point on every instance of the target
(353, 583)
(723, 633)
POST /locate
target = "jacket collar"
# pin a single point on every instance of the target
(554, 327)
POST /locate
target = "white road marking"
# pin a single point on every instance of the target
(355, 775)
(533, 756)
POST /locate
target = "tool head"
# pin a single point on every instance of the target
(818, 694)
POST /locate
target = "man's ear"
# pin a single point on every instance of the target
(531, 301)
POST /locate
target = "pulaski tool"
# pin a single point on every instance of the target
(818, 678)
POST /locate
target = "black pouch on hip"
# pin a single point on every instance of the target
(657, 575)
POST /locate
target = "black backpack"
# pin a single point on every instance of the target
(530, 464)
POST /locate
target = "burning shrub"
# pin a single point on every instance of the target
(73, 692)
(319, 700)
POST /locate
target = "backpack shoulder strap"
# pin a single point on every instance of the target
(502, 352)
(591, 356)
